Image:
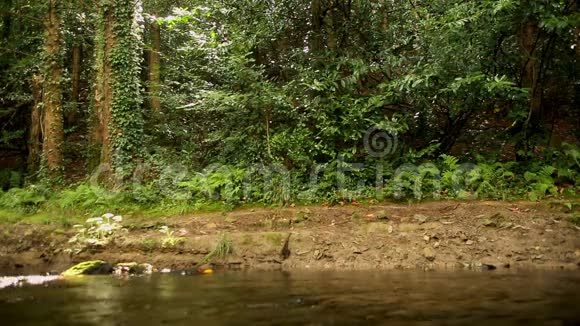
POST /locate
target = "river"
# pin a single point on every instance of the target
(299, 298)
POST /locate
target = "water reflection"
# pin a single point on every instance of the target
(299, 299)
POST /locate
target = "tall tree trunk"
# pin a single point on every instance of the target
(72, 115)
(529, 48)
(317, 19)
(6, 19)
(53, 134)
(119, 122)
(155, 69)
(34, 136)
(576, 9)
(103, 89)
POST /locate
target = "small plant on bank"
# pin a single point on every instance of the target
(575, 219)
(97, 232)
(223, 248)
(170, 241)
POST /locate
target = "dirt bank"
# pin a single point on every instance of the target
(437, 235)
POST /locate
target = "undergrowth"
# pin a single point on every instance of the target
(229, 187)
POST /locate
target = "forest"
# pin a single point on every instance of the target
(165, 107)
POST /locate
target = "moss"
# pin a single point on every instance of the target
(273, 237)
(247, 240)
(93, 267)
(149, 244)
(575, 219)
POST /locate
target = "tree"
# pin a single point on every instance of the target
(118, 129)
(52, 131)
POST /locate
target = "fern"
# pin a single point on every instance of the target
(25, 200)
(541, 182)
(449, 162)
(92, 199)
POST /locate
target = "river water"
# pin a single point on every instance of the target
(299, 298)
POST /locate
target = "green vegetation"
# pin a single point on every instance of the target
(151, 108)
(575, 219)
(274, 238)
(96, 232)
(148, 244)
(170, 240)
(223, 248)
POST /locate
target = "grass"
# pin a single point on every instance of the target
(148, 244)
(575, 219)
(223, 248)
(247, 240)
(273, 237)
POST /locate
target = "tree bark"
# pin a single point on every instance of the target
(118, 129)
(72, 116)
(34, 136)
(103, 90)
(575, 9)
(529, 48)
(53, 133)
(317, 19)
(155, 70)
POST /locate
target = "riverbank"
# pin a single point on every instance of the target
(426, 236)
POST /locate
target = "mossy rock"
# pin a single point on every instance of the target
(93, 267)
(382, 215)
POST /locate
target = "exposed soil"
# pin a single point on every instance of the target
(436, 235)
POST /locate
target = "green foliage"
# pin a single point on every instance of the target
(492, 180)
(96, 232)
(541, 182)
(223, 248)
(269, 102)
(25, 200)
(170, 240)
(92, 198)
(575, 219)
(10, 179)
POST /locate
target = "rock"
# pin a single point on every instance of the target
(429, 253)
(133, 269)
(469, 242)
(489, 223)
(538, 257)
(317, 255)
(488, 267)
(506, 225)
(382, 215)
(230, 219)
(93, 267)
(419, 218)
